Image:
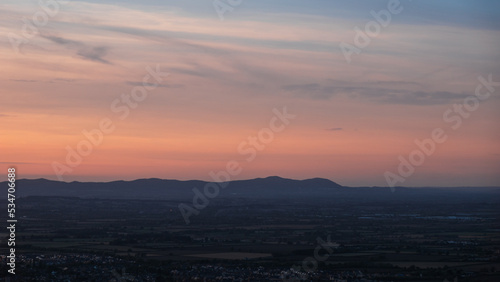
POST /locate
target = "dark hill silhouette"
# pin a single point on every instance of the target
(272, 187)
(155, 188)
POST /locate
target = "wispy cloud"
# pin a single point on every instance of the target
(375, 94)
(311, 90)
(91, 53)
(139, 83)
(57, 79)
(23, 80)
(422, 98)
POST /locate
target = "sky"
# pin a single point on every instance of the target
(66, 66)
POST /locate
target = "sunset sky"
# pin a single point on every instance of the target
(226, 76)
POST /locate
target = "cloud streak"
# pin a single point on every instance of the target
(317, 91)
(139, 83)
(84, 51)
